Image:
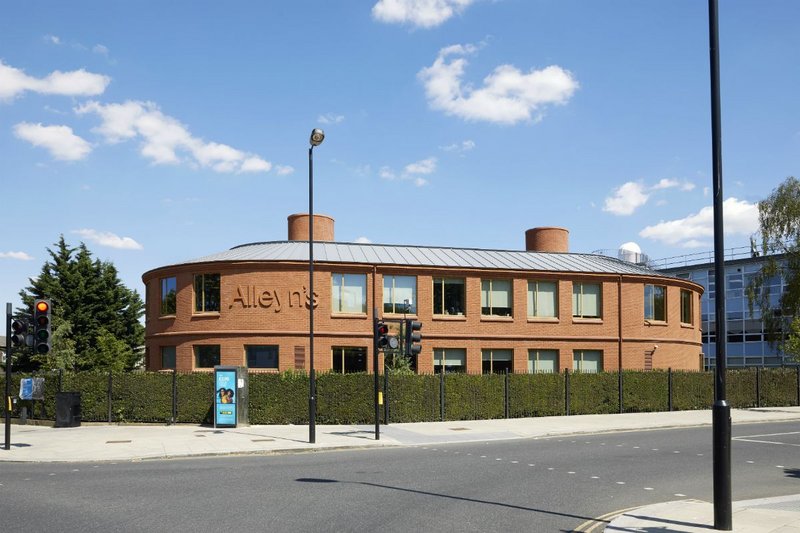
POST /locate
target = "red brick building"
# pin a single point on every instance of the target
(539, 310)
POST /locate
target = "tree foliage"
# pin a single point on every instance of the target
(95, 317)
(779, 226)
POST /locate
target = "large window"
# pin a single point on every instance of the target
(655, 302)
(587, 361)
(542, 299)
(349, 293)
(497, 361)
(206, 293)
(496, 297)
(168, 357)
(262, 356)
(347, 360)
(448, 296)
(587, 300)
(542, 361)
(687, 310)
(400, 294)
(449, 360)
(206, 356)
(168, 292)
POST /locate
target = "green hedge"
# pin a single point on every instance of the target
(348, 399)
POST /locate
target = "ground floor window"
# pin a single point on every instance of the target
(168, 357)
(449, 360)
(262, 356)
(542, 361)
(206, 356)
(347, 360)
(589, 361)
(497, 361)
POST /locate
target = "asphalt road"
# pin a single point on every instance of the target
(546, 485)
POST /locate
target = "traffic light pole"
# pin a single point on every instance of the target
(7, 395)
(375, 371)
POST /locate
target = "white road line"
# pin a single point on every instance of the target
(767, 435)
(750, 462)
(620, 482)
(531, 464)
(595, 477)
(679, 495)
(514, 462)
(740, 439)
(648, 488)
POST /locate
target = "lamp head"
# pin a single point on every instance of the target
(317, 136)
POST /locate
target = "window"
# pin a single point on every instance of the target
(167, 357)
(448, 296)
(655, 298)
(496, 297)
(586, 300)
(449, 360)
(497, 361)
(687, 309)
(543, 299)
(349, 293)
(349, 360)
(262, 356)
(587, 361)
(542, 361)
(400, 294)
(168, 292)
(206, 293)
(206, 356)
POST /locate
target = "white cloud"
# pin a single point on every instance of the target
(363, 240)
(626, 199)
(284, 170)
(52, 39)
(20, 256)
(669, 183)
(58, 140)
(463, 146)
(330, 118)
(697, 230)
(100, 50)
(165, 140)
(105, 238)
(425, 166)
(420, 182)
(507, 96)
(14, 82)
(418, 13)
(387, 173)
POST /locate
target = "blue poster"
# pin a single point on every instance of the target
(225, 398)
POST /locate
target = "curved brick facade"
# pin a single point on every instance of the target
(298, 227)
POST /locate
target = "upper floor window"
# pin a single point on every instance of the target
(655, 302)
(543, 299)
(687, 309)
(349, 293)
(448, 296)
(206, 293)
(400, 294)
(496, 297)
(542, 361)
(587, 300)
(168, 293)
(587, 361)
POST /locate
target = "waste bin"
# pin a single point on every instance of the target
(68, 409)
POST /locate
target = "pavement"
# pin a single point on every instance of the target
(104, 442)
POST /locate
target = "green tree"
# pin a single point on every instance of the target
(62, 355)
(779, 228)
(102, 314)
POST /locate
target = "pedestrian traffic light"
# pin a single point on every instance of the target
(413, 337)
(19, 332)
(41, 326)
(381, 334)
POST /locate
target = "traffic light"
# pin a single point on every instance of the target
(381, 334)
(413, 337)
(41, 326)
(19, 332)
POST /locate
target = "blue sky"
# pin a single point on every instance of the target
(157, 132)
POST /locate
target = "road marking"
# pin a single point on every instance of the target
(779, 466)
(741, 439)
(767, 435)
(620, 482)
(483, 457)
(571, 473)
(514, 462)
(648, 488)
(676, 451)
(655, 449)
(751, 462)
(531, 464)
(635, 447)
(699, 455)
(679, 495)
(601, 521)
(595, 477)
(551, 468)
(498, 459)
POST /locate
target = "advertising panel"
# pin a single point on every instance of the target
(225, 397)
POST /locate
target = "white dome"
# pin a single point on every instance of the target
(630, 247)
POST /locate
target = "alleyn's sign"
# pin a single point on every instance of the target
(251, 296)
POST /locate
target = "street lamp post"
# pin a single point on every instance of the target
(317, 136)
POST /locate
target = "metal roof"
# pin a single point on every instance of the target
(427, 256)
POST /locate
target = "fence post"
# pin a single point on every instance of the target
(110, 383)
(174, 395)
(566, 391)
(505, 395)
(441, 395)
(60, 378)
(669, 388)
(619, 385)
(758, 386)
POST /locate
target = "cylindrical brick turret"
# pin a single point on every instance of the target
(547, 240)
(298, 227)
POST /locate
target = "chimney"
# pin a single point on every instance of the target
(552, 240)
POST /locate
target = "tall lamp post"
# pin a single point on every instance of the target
(721, 411)
(317, 136)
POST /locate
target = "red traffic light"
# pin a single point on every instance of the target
(42, 306)
(382, 329)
